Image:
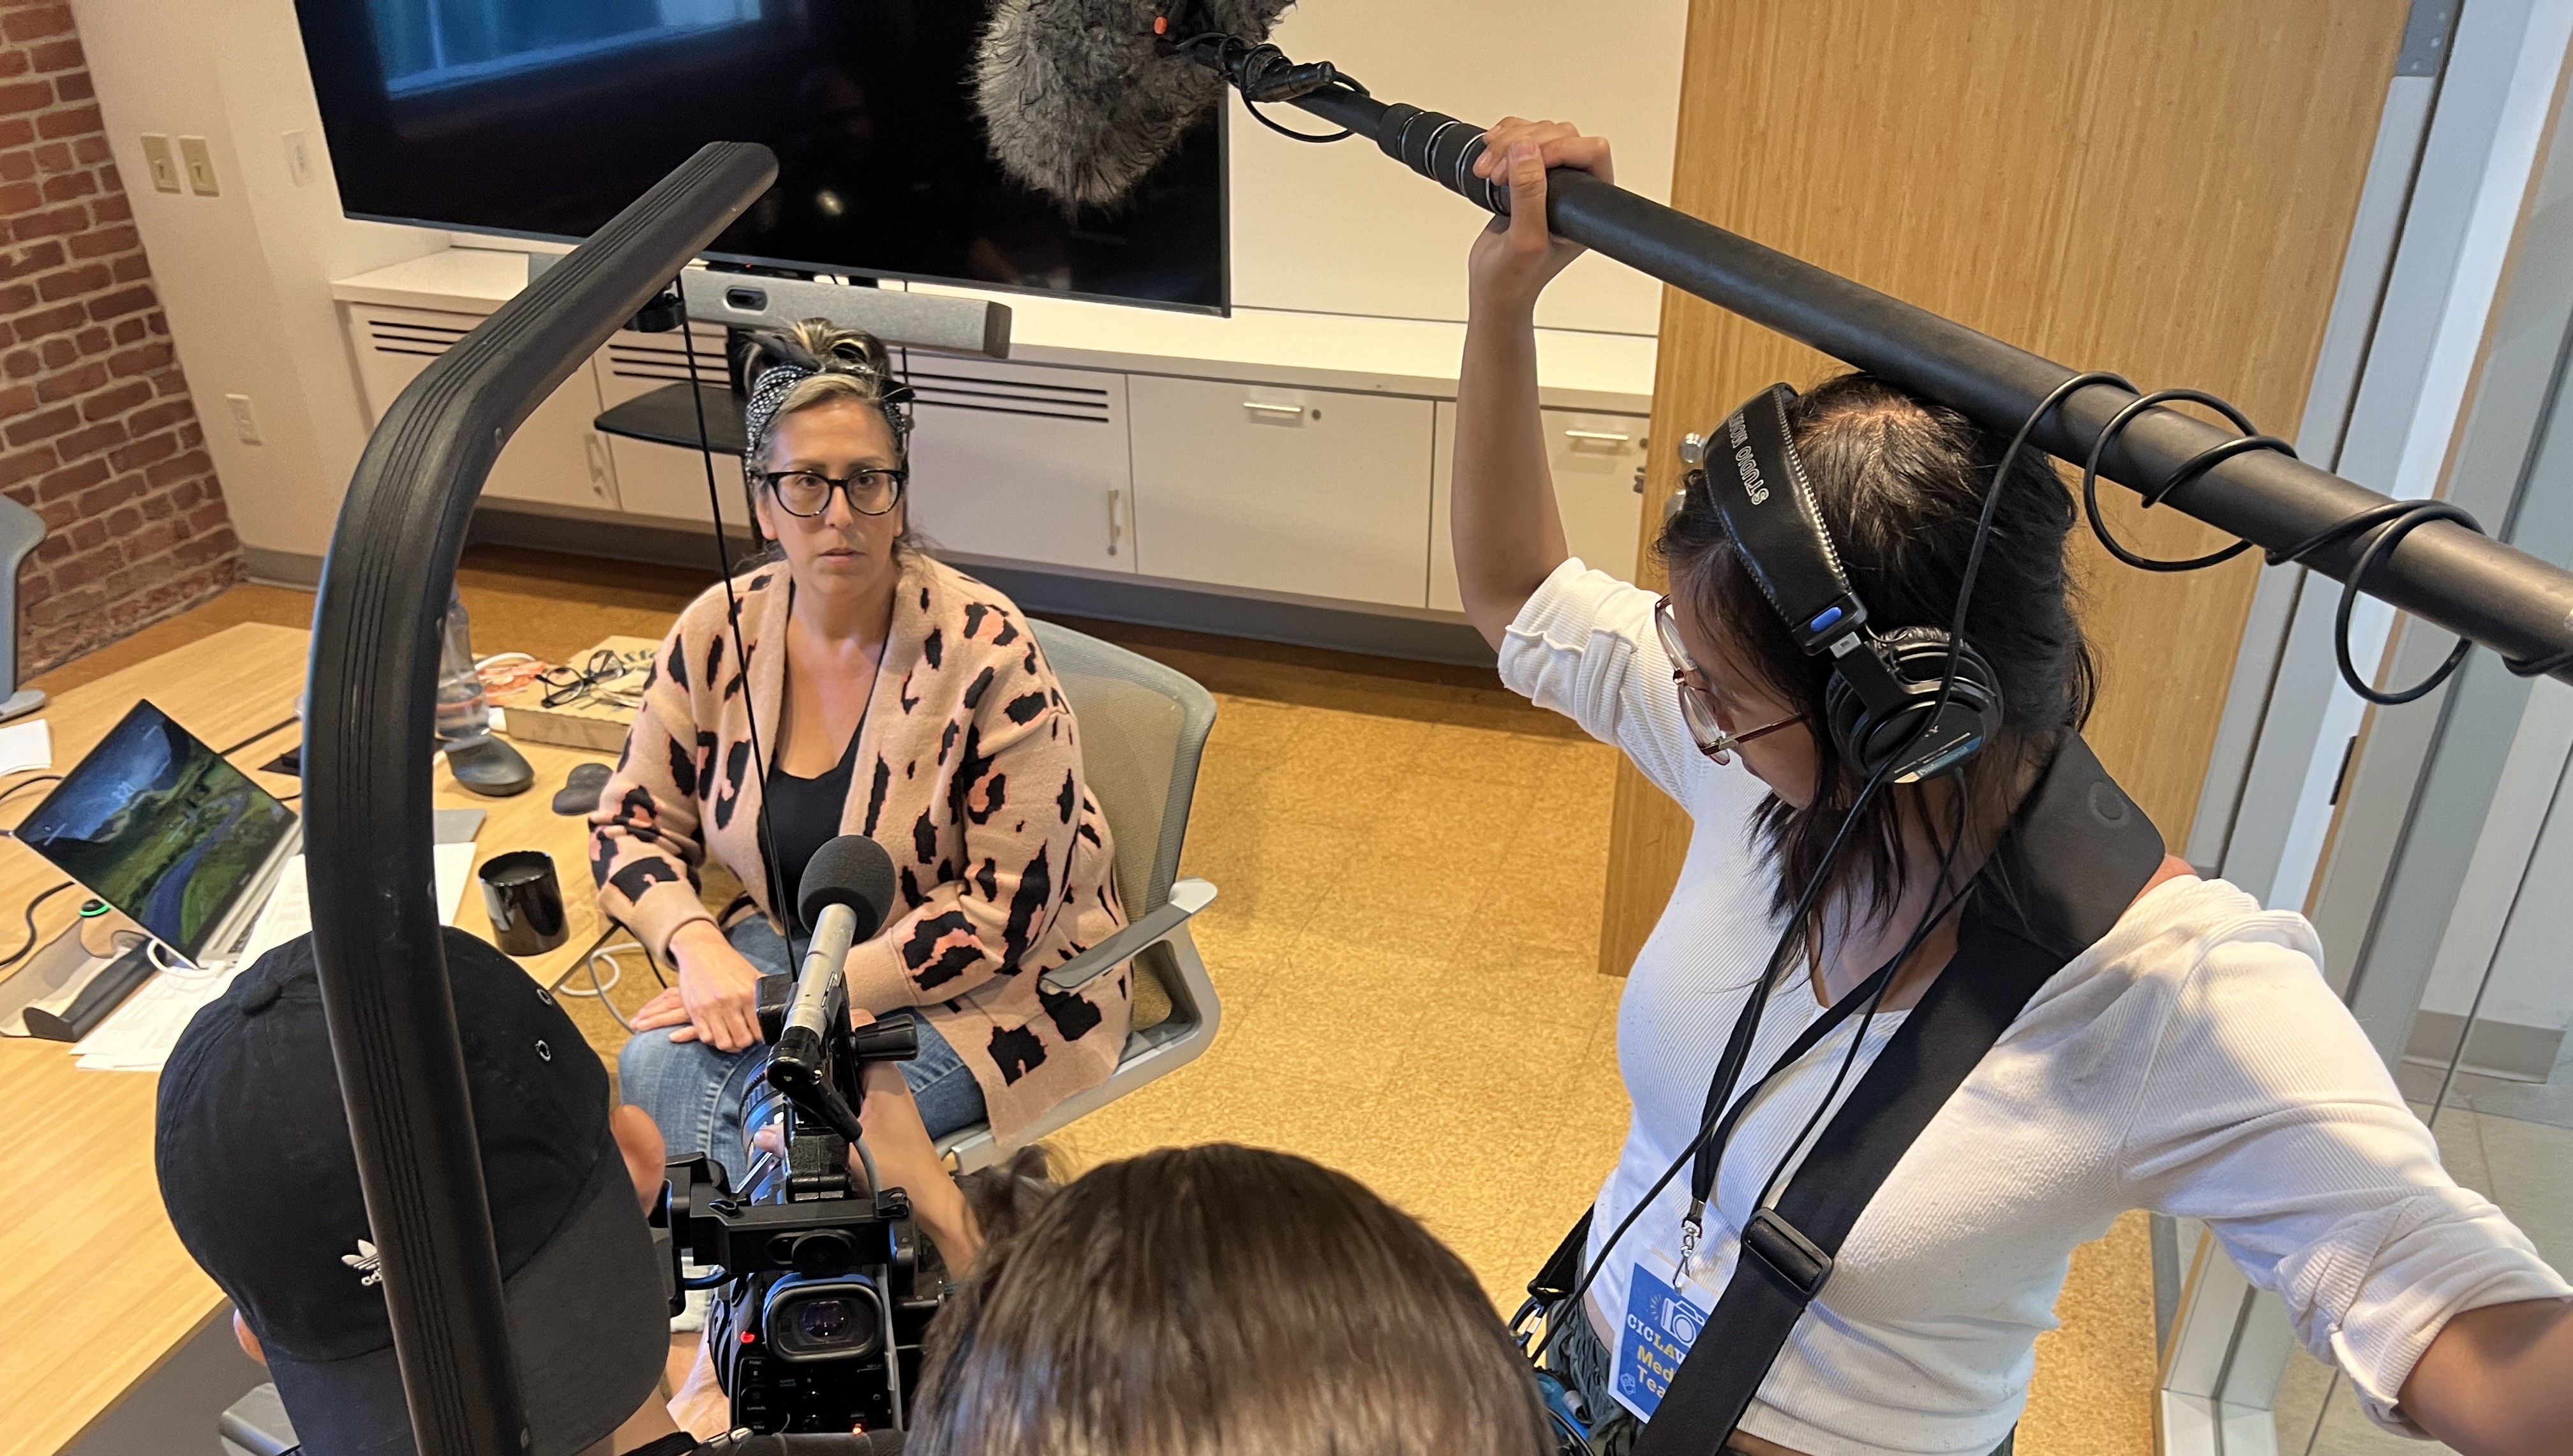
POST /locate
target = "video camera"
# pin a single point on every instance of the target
(820, 1305)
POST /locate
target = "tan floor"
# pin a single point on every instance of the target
(1411, 862)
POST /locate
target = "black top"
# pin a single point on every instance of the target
(803, 816)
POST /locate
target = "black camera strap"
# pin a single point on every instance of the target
(2077, 856)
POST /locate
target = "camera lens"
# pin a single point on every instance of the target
(822, 1320)
(837, 1319)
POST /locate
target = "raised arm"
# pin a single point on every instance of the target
(1508, 534)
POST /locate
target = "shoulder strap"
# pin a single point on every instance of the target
(2077, 857)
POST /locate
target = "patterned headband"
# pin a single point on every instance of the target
(759, 411)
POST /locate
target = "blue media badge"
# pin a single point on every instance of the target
(1661, 1323)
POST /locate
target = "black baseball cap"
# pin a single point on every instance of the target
(261, 1180)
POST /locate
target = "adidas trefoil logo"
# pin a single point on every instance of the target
(365, 1261)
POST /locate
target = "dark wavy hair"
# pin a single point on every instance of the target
(1222, 1299)
(1900, 481)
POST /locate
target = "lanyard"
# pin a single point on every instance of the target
(1710, 1154)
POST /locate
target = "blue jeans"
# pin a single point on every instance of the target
(695, 1091)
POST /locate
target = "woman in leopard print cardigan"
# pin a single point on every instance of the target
(894, 697)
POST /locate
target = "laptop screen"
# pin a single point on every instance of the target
(160, 827)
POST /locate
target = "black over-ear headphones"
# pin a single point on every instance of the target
(1884, 687)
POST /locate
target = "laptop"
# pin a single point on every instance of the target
(162, 828)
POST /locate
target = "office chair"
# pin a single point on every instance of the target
(1143, 727)
(21, 531)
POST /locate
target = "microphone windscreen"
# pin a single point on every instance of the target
(851, 870)
(1079, 102)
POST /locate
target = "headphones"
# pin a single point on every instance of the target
(1883, 705)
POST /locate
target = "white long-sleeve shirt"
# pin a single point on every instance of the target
(2194, 1062)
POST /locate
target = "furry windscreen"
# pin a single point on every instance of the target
(1080, 104)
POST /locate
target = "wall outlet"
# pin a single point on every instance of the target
(245, 423)
(156, 161)
(198, 164)
(299, 158)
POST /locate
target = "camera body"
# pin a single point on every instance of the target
(820, 1302)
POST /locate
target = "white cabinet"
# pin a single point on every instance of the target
(1020, 461)
(668, 481)
(555, 458)
(1312, 491)
(1595, 458)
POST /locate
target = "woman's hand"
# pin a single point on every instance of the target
(718, 990)
(1515, 258)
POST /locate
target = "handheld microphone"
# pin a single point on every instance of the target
(847, 889)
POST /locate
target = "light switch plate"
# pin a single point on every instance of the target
(156, 161)
(299, 158)
(198, 163)
(245, 423)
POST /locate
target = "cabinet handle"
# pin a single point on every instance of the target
(1599, 435)
(1273, 408)
(597, 450)
(1115, 528)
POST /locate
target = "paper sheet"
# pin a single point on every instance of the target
(26, 746)
(139, 1036)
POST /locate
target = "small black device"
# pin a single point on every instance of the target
(1885, 686)
(820, 1298)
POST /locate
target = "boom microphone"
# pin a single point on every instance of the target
(1081, 99)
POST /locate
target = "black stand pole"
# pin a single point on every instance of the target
(2493, 594)
(376, 927)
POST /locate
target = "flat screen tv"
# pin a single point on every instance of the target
(542, 118)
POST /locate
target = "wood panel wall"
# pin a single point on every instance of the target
(2163, 190)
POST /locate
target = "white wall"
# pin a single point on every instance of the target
(245, 276)
(1345, 229)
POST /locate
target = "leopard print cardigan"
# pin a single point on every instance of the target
(968, 772)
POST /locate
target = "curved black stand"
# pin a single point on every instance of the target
(376, 925)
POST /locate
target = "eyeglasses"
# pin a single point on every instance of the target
(809, 492)
(1697, 702)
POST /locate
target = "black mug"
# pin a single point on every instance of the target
(525, 901)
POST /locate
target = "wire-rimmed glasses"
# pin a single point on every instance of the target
(1697, 701)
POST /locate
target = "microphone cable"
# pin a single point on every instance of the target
(2389, 524)
(773, 870)
(1263, 73)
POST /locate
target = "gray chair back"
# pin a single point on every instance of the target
(1143, 727)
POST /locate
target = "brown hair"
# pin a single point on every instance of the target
(1222, 1299)
(1901, 483)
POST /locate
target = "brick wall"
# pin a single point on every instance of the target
(96, 431)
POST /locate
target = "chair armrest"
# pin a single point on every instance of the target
(1187, 897)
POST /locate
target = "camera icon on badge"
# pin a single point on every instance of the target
(1681, 1321)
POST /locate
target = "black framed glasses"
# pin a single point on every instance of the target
(1698, 706)
(809, 492)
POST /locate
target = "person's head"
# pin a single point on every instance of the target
(1899, 483)
(261, 1182)
(1212, 1299)
(824, 407)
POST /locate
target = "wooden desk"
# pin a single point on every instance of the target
(95, 1290)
